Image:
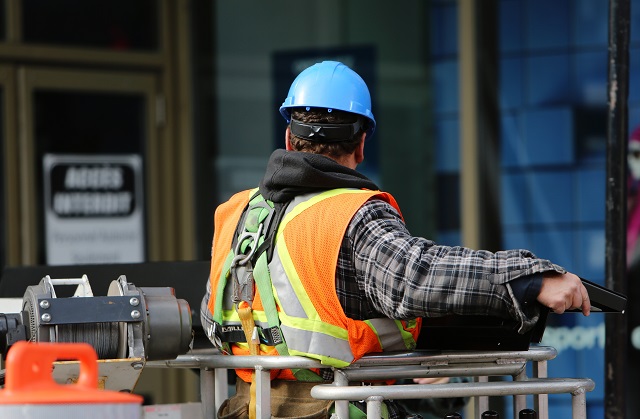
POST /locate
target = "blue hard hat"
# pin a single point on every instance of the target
(330, 85)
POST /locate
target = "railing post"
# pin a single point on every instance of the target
(221, 387)
(374, 407)
(519, 400)
(541, 401)
(579, 404)
(342, 406)
(207, 393)
(481, 403)
(263, 393)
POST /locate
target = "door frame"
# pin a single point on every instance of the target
(12, 237)
(169, 189)
(171, 233)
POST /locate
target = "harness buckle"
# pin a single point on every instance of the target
(241, 268)
(243, 284)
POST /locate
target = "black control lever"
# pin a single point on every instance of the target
(603, 299)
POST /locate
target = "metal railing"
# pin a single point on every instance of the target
(480, 365)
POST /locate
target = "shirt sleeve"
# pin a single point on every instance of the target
(526, 289)
(405, 276)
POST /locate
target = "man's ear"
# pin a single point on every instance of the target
(359, 152)
(287, 139)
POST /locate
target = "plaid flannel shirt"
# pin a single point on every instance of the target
(383, 271)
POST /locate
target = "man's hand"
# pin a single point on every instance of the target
(561, 292)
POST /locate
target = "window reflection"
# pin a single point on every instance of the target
(3, 20)
(113, 24)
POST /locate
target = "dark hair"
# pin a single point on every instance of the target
(322, 116)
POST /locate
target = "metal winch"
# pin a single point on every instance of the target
(129, 322)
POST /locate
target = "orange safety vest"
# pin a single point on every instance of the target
(302, 273)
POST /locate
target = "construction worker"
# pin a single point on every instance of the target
(318, 262)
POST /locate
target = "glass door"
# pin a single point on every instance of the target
(88, 150)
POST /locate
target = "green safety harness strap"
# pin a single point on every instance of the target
(247, 265)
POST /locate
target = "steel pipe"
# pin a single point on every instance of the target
(574, 386)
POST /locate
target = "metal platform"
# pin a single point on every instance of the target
(480, 365)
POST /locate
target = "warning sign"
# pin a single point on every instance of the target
(93, 209)
(92, 190)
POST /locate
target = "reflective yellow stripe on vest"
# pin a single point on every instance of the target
(392, 335)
